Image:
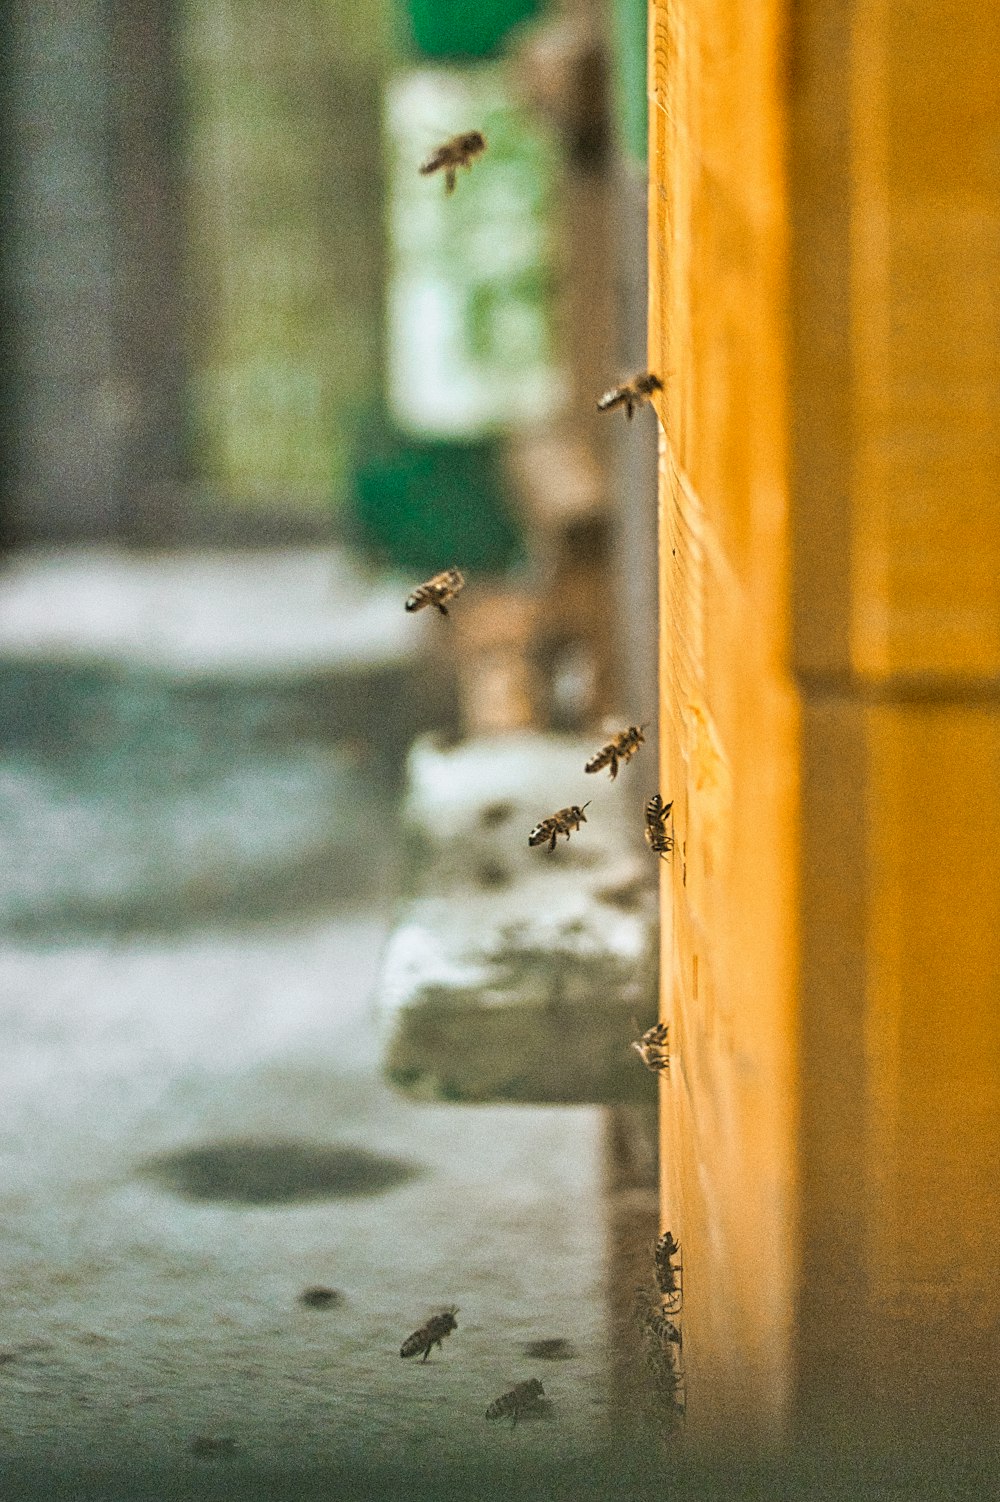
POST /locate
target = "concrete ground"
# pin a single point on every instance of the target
(193, 1126)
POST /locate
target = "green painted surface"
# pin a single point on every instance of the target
(628, 33)
(455, 28)
(425, 506)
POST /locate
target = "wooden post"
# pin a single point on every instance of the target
(825, 313)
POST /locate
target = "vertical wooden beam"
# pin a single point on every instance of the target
(825, 310)
(894, 219)
(727, 703)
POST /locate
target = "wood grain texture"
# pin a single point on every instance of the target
(728, 710)
(825, 288)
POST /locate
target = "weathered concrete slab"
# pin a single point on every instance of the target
(516, 973)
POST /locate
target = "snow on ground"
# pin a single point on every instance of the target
(133, 1319)
(195, 895)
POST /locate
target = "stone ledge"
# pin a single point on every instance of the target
(516, 974)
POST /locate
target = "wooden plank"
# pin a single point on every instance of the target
(727, 705)
(825, 289)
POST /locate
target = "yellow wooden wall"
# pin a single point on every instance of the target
(825, 313)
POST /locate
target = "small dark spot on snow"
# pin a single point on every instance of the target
(319, 1297)
(493, 814)
(627, 896)
(555, 1348)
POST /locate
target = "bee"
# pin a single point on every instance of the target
(460, 151)
(431, 1334)
(630, 394)
(563, 822)
(657, 814)
(668, 1277)
(437, 591)
(663, 1329)
(519, 1400)
(652, 1048)
(621, 748)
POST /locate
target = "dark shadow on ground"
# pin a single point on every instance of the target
(276, 1173)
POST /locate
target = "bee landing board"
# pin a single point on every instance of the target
(517, 973)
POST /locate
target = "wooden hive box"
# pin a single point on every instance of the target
(825, 312)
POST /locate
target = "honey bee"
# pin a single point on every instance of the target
(621, 748)
(519, 1400)
(662, 1329)
(563, 822)
(668, 1277)
(431, 1334)
(460, 151)
(437, 591)
(657, 814)
(652, 1048)
(630, 394)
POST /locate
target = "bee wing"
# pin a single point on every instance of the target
(616, 397)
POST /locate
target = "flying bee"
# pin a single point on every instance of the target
(431, 1334)
(460, 151)
(652, 1048)
(630, 394)
(519, 1400)
(437, 591)
(669, 1279)
(657, 814)
(621, 748)
(563, 822)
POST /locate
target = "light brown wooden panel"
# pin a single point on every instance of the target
(825, 293)
(728, 710)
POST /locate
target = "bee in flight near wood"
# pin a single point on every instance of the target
(657, 814)
(621, 748)
(630, 394)
(652, 1048)
(460, 151)
(519, 1400)
(431, 1334)
(437, 591)
(563, 822)
(668, 1277)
